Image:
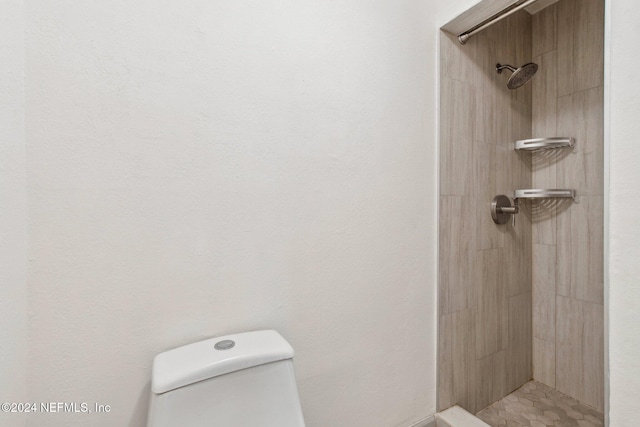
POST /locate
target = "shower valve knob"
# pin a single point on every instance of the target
(502, 210)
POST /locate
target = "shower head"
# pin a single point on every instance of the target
(520, 75)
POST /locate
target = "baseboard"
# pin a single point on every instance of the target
(425, 422)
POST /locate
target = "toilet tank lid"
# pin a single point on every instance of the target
(203, 360)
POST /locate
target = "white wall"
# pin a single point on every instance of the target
(239, 165)
(201, 168)
(624, 231)
(13, 223)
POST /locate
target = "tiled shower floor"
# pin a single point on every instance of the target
(537, 405)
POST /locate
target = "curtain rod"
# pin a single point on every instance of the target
(513, 8)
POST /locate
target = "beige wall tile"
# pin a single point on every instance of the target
(544, 361)
(457, 363)
(593, 356)
(496, 108)
(579, 272)
(563, 250)
(580, 351)
(483, 76)
(491, 309)
(543, 218)
(566, 34)
(518, 239)
(521, 25)
(569, 365)
(520, 120)
(544, 169)
(544, 292)
(588, 53)
(587, 243)
(579, 260)
(581, 116)
(459, 64)
(488, 235)
(445, 249)
(506, 169)
(520, 170)
(491, 383)
(445, 361)
(544, 31)
(462, 345)
(545, 95)
(519, 350)
(456, 138)
(516, 258)
(580, 30)
(481, 118)
(543, 164)
(456, 253)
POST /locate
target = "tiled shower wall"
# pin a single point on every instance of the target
(485, 269)
(568, 319)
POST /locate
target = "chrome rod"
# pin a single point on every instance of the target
(509, 210)
(509, 10)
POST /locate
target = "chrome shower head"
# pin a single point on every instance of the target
(520, 75)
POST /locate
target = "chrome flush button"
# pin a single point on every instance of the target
(224, 345)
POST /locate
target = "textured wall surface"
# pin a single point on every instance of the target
(484, 268)
(568, 323)
(13, 219)
(623, 207)
(211, 167)
(121, 230)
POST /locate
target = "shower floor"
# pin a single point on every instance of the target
(537, 405)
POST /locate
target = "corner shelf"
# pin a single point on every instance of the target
(544, 143)
(540, 193)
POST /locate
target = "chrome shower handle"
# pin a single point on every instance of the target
(501, 209)
(508, 210)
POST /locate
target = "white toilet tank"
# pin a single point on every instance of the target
(240, 380)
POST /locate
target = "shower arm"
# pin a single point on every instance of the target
(501, 67)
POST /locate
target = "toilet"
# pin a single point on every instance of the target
(240, 380)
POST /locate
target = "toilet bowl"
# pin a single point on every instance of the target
(240, 380)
